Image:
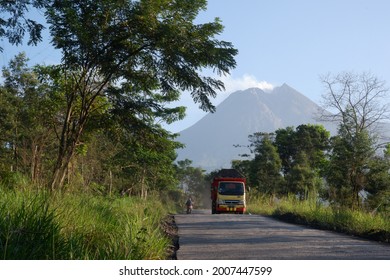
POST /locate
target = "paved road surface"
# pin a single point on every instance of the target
(203, 236)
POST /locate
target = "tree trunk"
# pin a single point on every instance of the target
(65, 154)
(144, 191)
(34, 163)
(70, 136)
(110, 188)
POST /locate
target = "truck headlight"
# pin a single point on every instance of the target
(220, 201)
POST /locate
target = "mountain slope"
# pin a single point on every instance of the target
(209, 142)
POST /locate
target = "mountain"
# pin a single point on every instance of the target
(209, 142)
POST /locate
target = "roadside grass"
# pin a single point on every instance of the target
(314, 214)
(42, 225)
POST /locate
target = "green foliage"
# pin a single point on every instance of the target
(32, 107)
(192, 181)
(313, 140)
(31, 121)
(7, 114)
(14, 23)
(343, 170)
(137, 56)
(303, 179)
(265, 168)
(378, 185)
(148, 45)
(289, 161)
(316, 214)
(348, 167)
(123, 63)
(37, 225)
(143, 160)
(244, 167)
(28, 227)
(14, 180)
(285, 143)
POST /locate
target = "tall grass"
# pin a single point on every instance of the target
(40, 225)
(27, 227)
(310, 212)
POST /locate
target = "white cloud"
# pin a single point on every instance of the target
(240, 83)
(245, 82)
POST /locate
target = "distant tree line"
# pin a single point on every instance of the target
(350, 169)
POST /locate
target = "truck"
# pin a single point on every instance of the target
(228, 192)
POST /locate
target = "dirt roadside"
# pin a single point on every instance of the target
(171, 231)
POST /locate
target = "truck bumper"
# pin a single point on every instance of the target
(230, 209)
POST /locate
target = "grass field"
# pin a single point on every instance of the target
(40, 225)
(358, 223)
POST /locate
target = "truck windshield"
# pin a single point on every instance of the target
(231, 188)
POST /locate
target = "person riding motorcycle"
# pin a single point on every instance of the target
(189, 204)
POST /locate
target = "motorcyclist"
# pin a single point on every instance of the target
(189, 204)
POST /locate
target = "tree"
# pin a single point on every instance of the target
(193, 181)
(358, 105)
(286, 145)
(303, 154)
(31, 117)
(378, 183)
(303, 180)
(7, 117)
(266, 167)
(358, 102)
(313, 140)
(244, 167)
(348, 167)
(143, 53)
(147, 158)
(17, 24)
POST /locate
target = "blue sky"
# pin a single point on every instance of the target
(284, 41)
(295, 42)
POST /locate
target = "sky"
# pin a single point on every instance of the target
(283, 41)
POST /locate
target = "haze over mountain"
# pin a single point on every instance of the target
(209, 142)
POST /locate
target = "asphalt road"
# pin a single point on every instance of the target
(203, 236)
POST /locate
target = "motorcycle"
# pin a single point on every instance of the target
(189, 209)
